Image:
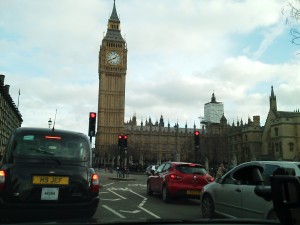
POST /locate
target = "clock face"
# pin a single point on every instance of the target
(113, 58)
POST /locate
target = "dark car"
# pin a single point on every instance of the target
(178, 179)
(48, 173)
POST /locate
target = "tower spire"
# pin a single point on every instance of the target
(113, 28)
(213, 97)
(114, 15)
(273, 103)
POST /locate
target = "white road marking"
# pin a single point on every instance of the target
(114, 212)
(108, 184)
(137, 185)
(118, 189)
(143, 202)
(112, 200)
(151, 213)
(140, 206)
(135, 211)
(117, 194)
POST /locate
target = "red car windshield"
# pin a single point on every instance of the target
(191, 169)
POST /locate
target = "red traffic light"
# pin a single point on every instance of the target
(92, 124)
(197, 133)
(125, 136)
(119, 136)
(92, 115)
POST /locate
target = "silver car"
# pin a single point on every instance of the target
(233, 198)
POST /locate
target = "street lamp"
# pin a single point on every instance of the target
(49, 122)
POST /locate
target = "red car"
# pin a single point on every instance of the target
(178, 179)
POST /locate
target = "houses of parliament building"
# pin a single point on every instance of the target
(155, 142)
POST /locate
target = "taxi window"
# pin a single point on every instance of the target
(36, 145)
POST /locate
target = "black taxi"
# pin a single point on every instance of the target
(47, 173)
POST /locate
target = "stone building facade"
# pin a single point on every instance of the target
(112, 80)
(281, 133)
(278, 139)
(244, 141)
(148, 142)
(10, 117)
(153, 143)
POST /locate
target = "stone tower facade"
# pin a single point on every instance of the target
(112, 80)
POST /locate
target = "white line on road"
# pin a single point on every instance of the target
(113, 211)
(139, 206)
(136, 185)
(112, 200)
(142, 203)
(108, 184)
(151, 213)
(119, 189)
(137, 194)
(117, 194)
(126, 211)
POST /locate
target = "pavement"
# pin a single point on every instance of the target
(113, 175)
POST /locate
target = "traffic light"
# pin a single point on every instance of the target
(120, 140)
(125, 141)
(197, 137)
(92, 124)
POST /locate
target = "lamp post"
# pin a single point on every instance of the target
(49, 122)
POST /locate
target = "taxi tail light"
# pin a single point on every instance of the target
(2, 179)
(175, 177)
(95, 184)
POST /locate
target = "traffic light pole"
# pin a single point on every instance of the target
(91, 136)
(122, 147)
(197, 145)
(197, 150)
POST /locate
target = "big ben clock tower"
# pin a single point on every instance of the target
(112, 79)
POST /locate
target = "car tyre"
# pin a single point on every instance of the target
(149, 191)
(165, 194)
(207, 207)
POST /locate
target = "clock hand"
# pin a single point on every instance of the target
(112, 58)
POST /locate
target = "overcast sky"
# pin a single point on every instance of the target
(179, 53)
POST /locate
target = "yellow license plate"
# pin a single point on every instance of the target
(54, 180)
(190, 192)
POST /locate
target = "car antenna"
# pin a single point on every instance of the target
(54, 120)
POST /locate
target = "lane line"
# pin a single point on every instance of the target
(108, 184)
(112, 200)
(151, 213)
(117, 194)
(137, 194)
(142, 204)
(113, 211)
